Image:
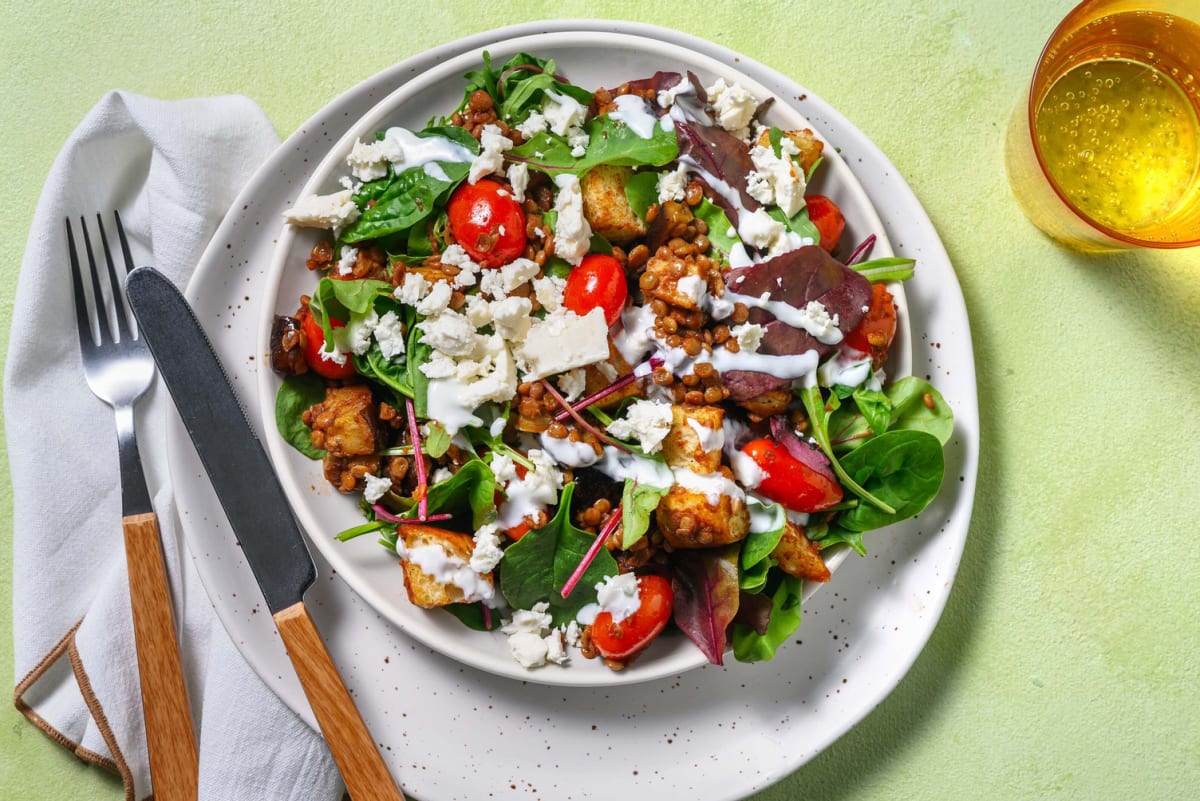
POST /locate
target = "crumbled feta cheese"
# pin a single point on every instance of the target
(486, 554)
(359, 332)
(578, 139)
(349, 258)
(572, 384)
(533, 125)
(819, 323)
(618, 595)
(692, 287)
(368, 161)
(503, 468)
(776, 178)
(376, 487)
(562, 341)
(666, 97)
(672, 185)
(646, 421)
(413, 290)
(455, 256)
(436, 301)
(450, 333)
(760, 229)
(518, 178)
(334, 211)
(492, 144)
(389, 333)
(572, 234)
(511, 317)
(440, 475)
(499, 282)
(478, 310)
(733, 106)
(549, 292)
(562, 112)
(531, 638)
(748, 335)
(531, 493)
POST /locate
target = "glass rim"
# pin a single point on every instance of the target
(1070, 20)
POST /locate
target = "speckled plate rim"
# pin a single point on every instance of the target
(369, 569)
(782, 720)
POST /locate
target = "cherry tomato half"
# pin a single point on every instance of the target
(598, 282)
(828, 218)
(623, 640)
(314, 344)
(789, 481)
(488, 222)
(875, 332)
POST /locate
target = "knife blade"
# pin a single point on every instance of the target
(259, 513)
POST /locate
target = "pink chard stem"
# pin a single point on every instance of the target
(609, 526)
(414, 434)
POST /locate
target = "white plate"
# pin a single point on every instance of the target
(719, 733)
(369, 569)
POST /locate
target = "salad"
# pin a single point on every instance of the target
(598, 367)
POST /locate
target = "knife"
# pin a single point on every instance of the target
(260, 516)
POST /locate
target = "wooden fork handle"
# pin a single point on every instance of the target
(169, 733)
(354, 750)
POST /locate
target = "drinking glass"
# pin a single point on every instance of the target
(1103, 151)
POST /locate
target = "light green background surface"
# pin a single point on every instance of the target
(1065, 665)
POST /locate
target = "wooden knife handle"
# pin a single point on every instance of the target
(357, 757)
(169, 733)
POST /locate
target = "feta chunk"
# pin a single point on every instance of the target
(413, 290)
(511, 317)
(648, 422)
(436, 301)
(776, 179)
(672, 185)
(572, 233)
(733, 106)
(334, 211)
(486, 554)
(376, 487)
(348, 259)
(389, 333)
(492, 144)
(562, 341)
(518, 178)
(748, 335)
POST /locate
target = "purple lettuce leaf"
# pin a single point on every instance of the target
(705, 584)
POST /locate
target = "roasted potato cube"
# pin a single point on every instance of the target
(423, 589)
(682, 446)
(768, 404)
(810, 147)
(346, 423)
(605, 205)
(687, 520)
(678, 282)
(799, 556)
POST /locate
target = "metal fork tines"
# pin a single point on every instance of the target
(119, 369)
(117, 365)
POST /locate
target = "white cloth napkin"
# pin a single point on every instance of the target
(171, 169)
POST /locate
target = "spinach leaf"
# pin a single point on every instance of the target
(753, 579)
(340, 300)
(749, 645)
(851, 425)
(536, 567)
(888, 268)
(519, 86)
(297, 393)
(818, 417)
(472, 489)
(641, 192)
(638, 502)
(474, 617)
(609, 142)
(903, 468)
(827, 536)
(875, 407)
(408, 199)
(418, 354)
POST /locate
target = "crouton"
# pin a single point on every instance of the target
(423, 589)
(682, 446)
(676, 281)
(810, 147)
(687, 519)
(605, 206)
(768, 404)
(799, 556)
(600, 374)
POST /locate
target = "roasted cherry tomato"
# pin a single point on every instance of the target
(828, 218)
(623, 640)
(488, 222)
(875, 332)
(598, 282)
(314, 344)
(789, 481)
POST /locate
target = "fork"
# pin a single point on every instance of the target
(119, 369)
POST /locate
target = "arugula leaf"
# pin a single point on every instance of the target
(297, 393)
(749, 645)
(537, 566)
(609, 142)
(638, 502)
(904, 468)
(519, 86)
